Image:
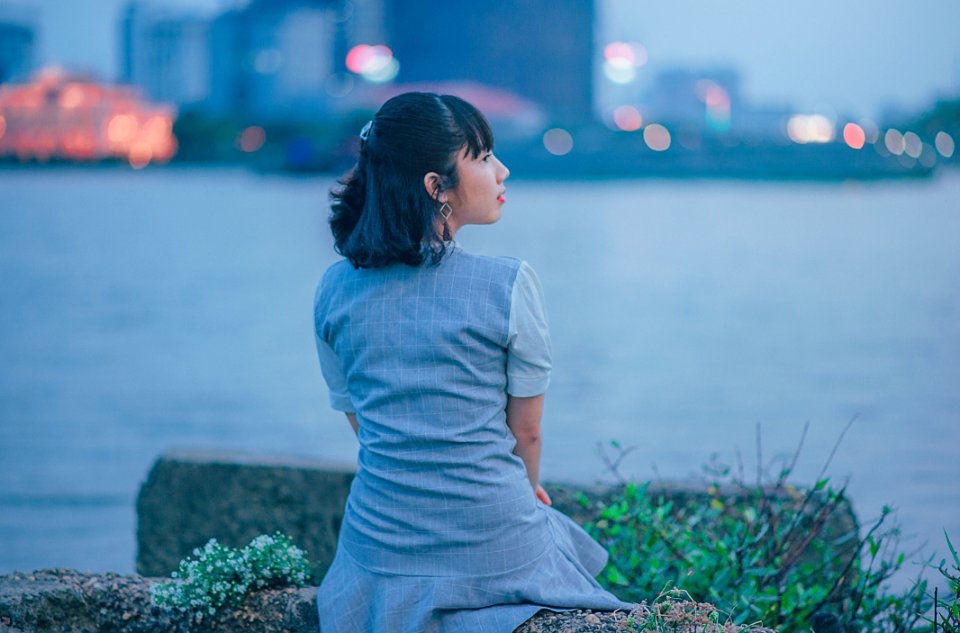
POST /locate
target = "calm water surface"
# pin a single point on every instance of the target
(172, 308)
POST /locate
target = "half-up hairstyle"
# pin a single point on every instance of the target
(381, 213)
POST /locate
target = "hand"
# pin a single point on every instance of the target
(542, 495)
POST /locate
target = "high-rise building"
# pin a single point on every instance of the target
(539, 49)
(166, 52)
(271, 60)
(283, 59)
(17, 44)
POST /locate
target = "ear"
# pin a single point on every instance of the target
(434, 186)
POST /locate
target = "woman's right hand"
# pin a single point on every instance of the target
(542, 495)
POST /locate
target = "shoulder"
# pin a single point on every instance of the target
(336, 271)
(494, 265)
(332, 279)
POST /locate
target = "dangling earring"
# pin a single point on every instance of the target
(445, 212)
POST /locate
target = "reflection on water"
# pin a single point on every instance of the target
(145, 311)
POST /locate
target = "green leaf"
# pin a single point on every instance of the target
(953, 551)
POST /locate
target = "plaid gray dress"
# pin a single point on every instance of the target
(441, 531)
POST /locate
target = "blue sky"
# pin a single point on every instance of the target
(846, 55)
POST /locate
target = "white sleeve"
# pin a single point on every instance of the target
(528, 342)
(333, 375)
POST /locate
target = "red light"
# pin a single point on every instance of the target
(252, 138)
(628, 118)
(853, 135)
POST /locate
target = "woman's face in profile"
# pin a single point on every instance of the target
(479, 194)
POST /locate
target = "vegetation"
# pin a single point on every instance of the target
(766, 551)
(218, 576)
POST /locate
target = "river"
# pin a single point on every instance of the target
(143, 311)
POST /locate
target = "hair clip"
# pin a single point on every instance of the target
(365, 132)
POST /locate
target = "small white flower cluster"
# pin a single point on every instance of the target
(218, 576)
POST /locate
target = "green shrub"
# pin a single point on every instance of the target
(217, 576)
(945, 616)
(759, 552)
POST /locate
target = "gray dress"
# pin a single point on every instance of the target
(442, 530)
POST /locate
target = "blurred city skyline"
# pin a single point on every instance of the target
(857, 57)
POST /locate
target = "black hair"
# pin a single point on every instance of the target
(381, 213)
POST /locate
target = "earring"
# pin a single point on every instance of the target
(445, 212)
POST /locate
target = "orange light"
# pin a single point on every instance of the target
(252, 138)
(3, 125)
(854, 135)
(122, 128)
(157, 127)
(628, 118)
(140, 155)
(72, 96)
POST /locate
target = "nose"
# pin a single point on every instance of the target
(503, 173)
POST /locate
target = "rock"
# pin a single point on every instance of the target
(65, 600)
(190, 497)
(58, 600)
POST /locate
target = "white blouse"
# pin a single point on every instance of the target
(528, 346)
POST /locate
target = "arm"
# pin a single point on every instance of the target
(523, 419)
(352, 419)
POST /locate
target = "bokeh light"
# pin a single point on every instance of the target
(717, 102)
(893, 141)
(141, 153)
(619, 75)
(810, 128)
(3, 125)
(72, 96)
(373, 63)
(853, 135)
(912, 145)
(252, 138)
(628, 118)
(122, 128)
(928, 156)
(871, 132)
(621, 60)
(558, 141)
(943, 141)
(656, 137)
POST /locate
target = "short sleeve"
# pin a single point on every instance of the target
(528, 343)
(333, 375)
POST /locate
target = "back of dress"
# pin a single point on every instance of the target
(424, 352)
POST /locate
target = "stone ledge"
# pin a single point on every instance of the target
(190, 497)
(60, 600)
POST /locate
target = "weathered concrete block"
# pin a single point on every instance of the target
(190, 497)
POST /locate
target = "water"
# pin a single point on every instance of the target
(172, 308)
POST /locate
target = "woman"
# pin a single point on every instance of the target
(439, 359)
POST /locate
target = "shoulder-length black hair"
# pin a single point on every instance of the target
(381, 213)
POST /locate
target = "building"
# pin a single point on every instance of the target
(166, 53)
(57, 116)
(257, 59)
(272, 60)
(17, 44)
(541, 50)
